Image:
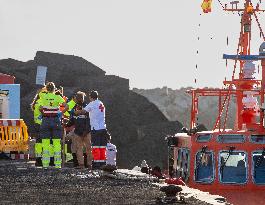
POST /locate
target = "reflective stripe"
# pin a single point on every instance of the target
(45, 151)
(38, 154)
(50, 111)
(99, 160)
(50, 108)
(45, 158)
(80, 117)
(98, 146)
(58, 160)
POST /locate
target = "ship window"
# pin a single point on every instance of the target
(183, 161)
(204, 138)
(185, 164)
(259, 139)
(259, 167)
(204, 168)
(231, 138)
(232, 167)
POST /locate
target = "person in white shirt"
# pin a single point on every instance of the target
(111, 152)
(96, 110)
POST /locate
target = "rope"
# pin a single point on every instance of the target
(227, 109)
(221, 4)
(220, 114)
(259, 26)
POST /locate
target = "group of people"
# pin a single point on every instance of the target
(91, 145)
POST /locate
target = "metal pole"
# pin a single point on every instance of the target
(63, 150)
(63, 141)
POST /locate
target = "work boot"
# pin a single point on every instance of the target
(38, 162)
(81, 166)
(89, 167)
(96, 165)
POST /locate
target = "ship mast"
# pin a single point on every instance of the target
(244, 86)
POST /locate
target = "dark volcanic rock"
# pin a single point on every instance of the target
(151, 144)
(137, 126)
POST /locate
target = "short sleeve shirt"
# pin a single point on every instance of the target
(96, 111)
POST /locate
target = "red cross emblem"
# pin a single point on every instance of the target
(101, 107)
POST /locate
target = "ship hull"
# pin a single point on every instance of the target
(230, 164)
(241, 197)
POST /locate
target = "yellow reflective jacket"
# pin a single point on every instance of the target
(36, 109)
(71, 105)
(51, 100)
(37, 113)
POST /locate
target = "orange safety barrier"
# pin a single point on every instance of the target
(13, 136)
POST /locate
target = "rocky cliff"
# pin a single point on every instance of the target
(137, 126)
(176, 104)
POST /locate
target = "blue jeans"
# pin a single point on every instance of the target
(51, 128)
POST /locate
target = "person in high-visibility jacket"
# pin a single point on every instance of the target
(51, 127)
(35, 105)
(66, 117)
(71, 105)
(60, 92)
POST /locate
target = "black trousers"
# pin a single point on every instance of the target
(98, 144)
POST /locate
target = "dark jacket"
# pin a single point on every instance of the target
(80, 122)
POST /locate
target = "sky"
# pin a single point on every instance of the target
(153, 43)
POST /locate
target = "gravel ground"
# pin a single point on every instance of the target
(22, 183)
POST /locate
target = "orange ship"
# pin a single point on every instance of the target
(230, 162)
